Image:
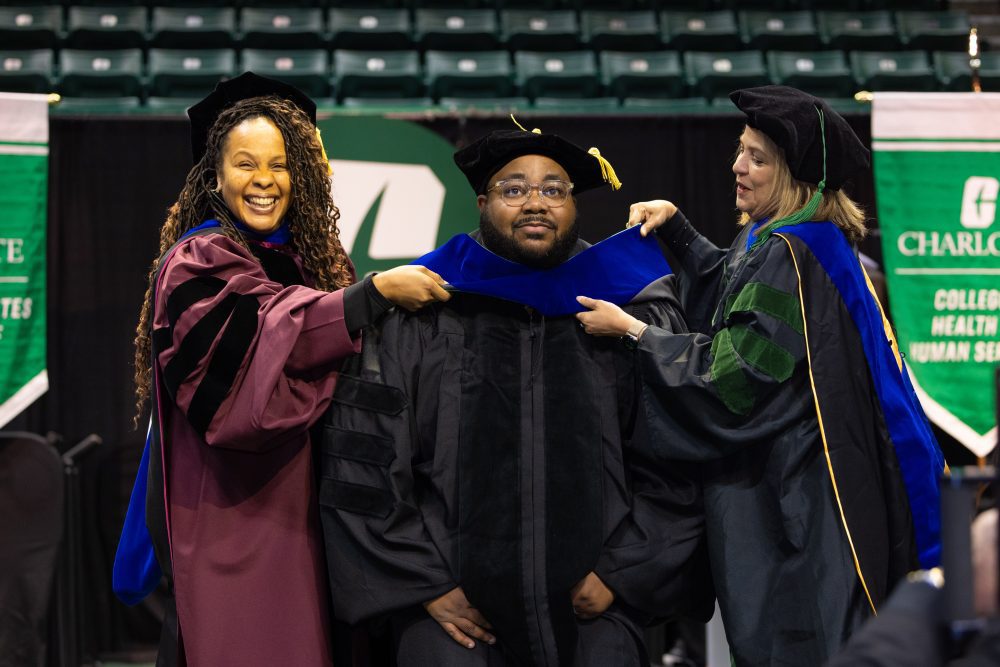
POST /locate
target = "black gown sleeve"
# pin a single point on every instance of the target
(364, 305)
(699, 272)
(707, 395)
(380, 554)
(656, 559)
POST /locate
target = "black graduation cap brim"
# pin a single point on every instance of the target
(788, 116)
(227, 93)
(483, 158)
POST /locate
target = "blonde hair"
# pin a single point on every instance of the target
(788, 195)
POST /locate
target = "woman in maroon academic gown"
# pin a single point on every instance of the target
(251, 307)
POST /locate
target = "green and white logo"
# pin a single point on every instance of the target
(937, 179)
(24, 168)
(399, 192)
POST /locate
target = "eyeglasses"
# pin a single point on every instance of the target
(517, 191)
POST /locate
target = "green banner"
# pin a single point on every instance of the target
(937, 176)
(399, 192)
(24, 170)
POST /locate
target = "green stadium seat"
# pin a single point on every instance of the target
(384, 104)
(485, 104)
(30, 27)
(379, 74)
(204, 27)
(822, 73)
(621, 30)
(943, 31)
(779, 30)
(539, 30)
(564, 105)
(96, 105)
(642, 74)
(106, 27)
(716, 73)
(26, 71)
(857, 31)
(103, 73)
(892, 70)
(170, 106)
(370, 28)
(700, 30)
(456, 28)
(188, 72)
(953, 71)
(287, 27)
(469, 74)
(558, 74)
(658, 105)
(848, 105)
(307, 69)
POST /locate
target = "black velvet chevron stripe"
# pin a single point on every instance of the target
(356, 498)
(197, 343)
(225, 364)
(162, 339)
(278, 266)
(357, 446)
(191, 292)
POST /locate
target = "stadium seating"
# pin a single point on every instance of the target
(643, 74)
(892, 70)
(370, 28)
(106, 27)
(620, 30)
(200, 27)
(461, 29)
(103, 73)
(469, 74)
(188, 72)
(933, 30)
(308, 69)
(857, 30)
(26, 71)
(287, 27)
(30, 27)
(378, 74)
(535, 30)
(700, 30)
(714, 74)
(779, 30)
(561, 74)
(954, 73)
(822, 73)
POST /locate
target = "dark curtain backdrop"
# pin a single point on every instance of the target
(111, 181)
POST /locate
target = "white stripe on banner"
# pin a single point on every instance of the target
(936, 146)
(24, 397)
(947, 272)
(970, 116)
(18, 149)
(26, 118)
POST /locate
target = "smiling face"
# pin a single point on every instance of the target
(253, 174)
(755, 168)
(534, 233)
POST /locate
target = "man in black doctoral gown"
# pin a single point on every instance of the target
(482, 489)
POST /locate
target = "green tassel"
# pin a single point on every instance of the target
(806, 213)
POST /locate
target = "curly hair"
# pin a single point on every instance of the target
(311, 217)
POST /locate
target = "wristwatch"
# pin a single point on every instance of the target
(634, 333)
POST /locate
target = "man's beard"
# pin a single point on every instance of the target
(505, 246)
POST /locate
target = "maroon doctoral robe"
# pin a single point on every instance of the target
(245, 366)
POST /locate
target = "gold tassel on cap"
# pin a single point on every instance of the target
(521, 127)
(319, 138)
(607, 171)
